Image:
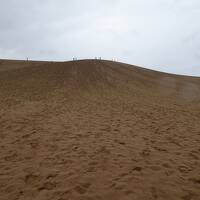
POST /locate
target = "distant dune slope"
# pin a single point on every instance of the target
(96, 129)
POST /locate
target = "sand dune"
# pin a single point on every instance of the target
(96, 129)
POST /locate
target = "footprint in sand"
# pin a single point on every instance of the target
(195, 180)
(188, 196)
(138, 169)
(11, 157)
(184, 169)
(31, 179)
(47, 186)
(92, 166)
(160, 149)
(146, 152)
(82, 188)
(166, 165)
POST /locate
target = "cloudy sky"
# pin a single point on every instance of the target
(158, 34)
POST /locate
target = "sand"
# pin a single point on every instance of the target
(97, 130)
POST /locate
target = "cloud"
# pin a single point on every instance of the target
(158, 34)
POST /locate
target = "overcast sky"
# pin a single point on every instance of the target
(158, 34)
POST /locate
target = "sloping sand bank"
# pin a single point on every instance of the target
(97, 130)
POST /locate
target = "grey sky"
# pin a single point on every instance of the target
(157, 34)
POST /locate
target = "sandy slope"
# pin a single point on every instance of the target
(97, 130)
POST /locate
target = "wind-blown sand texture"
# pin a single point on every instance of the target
(97, 130)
